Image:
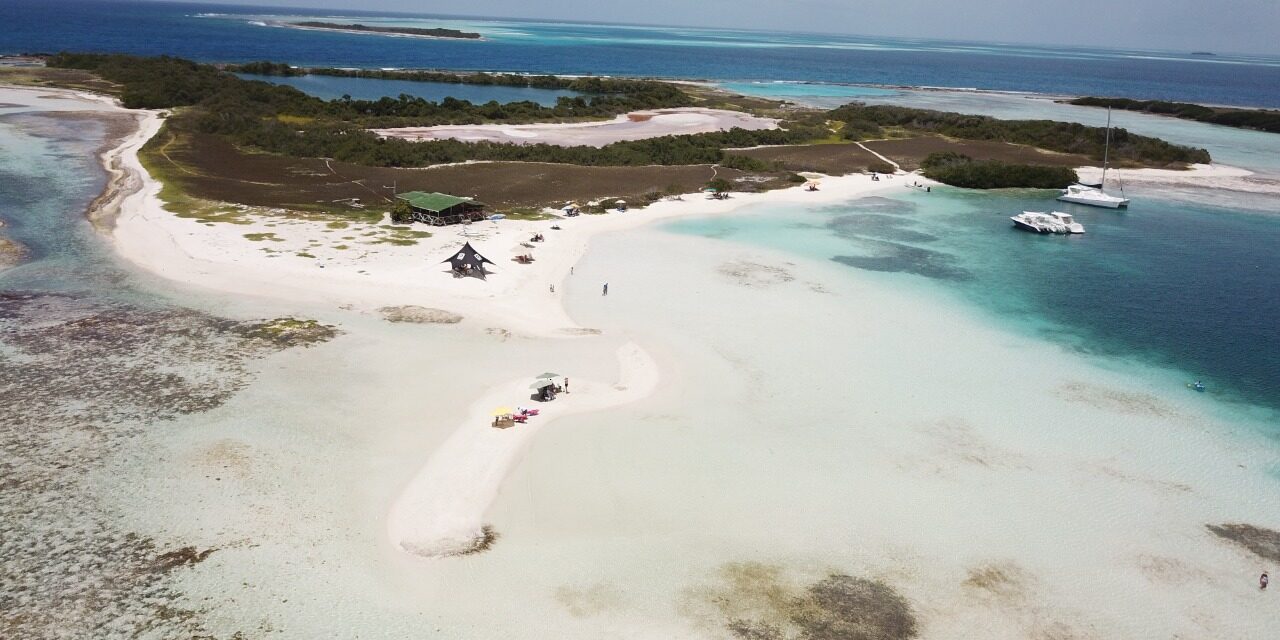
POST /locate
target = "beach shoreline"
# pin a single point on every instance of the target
(896, 453)
(297, 266)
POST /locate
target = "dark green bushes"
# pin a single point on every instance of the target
(1258, 119)
(1065, 137)
(401, 212)
(962, 171)
(164, 82)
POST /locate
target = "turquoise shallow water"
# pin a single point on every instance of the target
(1168, 284)
(48, 175)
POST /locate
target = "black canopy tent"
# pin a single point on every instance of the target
(468, 262)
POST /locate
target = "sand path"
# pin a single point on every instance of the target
(441, 511)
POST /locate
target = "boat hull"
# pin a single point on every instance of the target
(1106, 204)
(1026, 227)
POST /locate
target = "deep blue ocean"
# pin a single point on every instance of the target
(1187, 280)
(227, 33)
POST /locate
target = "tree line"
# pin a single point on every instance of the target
(591, 85)
(863, 122)
(164, 82)
(1256, 119)
(281, 119)
(959, 170)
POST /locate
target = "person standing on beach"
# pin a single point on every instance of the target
(605, 292)
(1263, 580)
(566, 385)
(553, 288)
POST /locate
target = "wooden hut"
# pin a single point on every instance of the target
(440, 209)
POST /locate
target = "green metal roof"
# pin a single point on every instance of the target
(434, 202)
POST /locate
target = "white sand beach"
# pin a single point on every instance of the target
(441, 512)
(636, 125)
(307, 261)
(743, 422)
(1224, 178)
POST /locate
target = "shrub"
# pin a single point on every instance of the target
(1064, 137)
(719, 184)
(962, 171)
(880, 166)
(401, 212)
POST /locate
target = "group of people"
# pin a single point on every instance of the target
(548, 393)
(537, 238)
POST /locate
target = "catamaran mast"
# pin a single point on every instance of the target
(1106, 152)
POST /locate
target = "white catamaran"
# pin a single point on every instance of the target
(1093, 194)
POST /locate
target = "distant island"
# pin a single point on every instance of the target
(1203, 53)
(1253, 119)
(399, 31)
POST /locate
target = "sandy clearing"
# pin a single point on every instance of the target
(636, 125)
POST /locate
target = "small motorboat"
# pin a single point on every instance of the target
(1041, 222)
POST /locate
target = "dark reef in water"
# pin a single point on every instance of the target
(887, 228)
(755, 602)
(908, 259)
(878, 225)
(1265, 543)
(81, 379)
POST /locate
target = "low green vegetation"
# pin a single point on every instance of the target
(289, 331)
(408, 31)
(401, 212)
(587, 85)
(1256, 119)
(280, 119)
(528, 214)
(259, 117)
(864, 122)
(962, 171)
(259, 237)
(719, 184)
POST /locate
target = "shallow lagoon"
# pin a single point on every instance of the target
(1171, 283)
